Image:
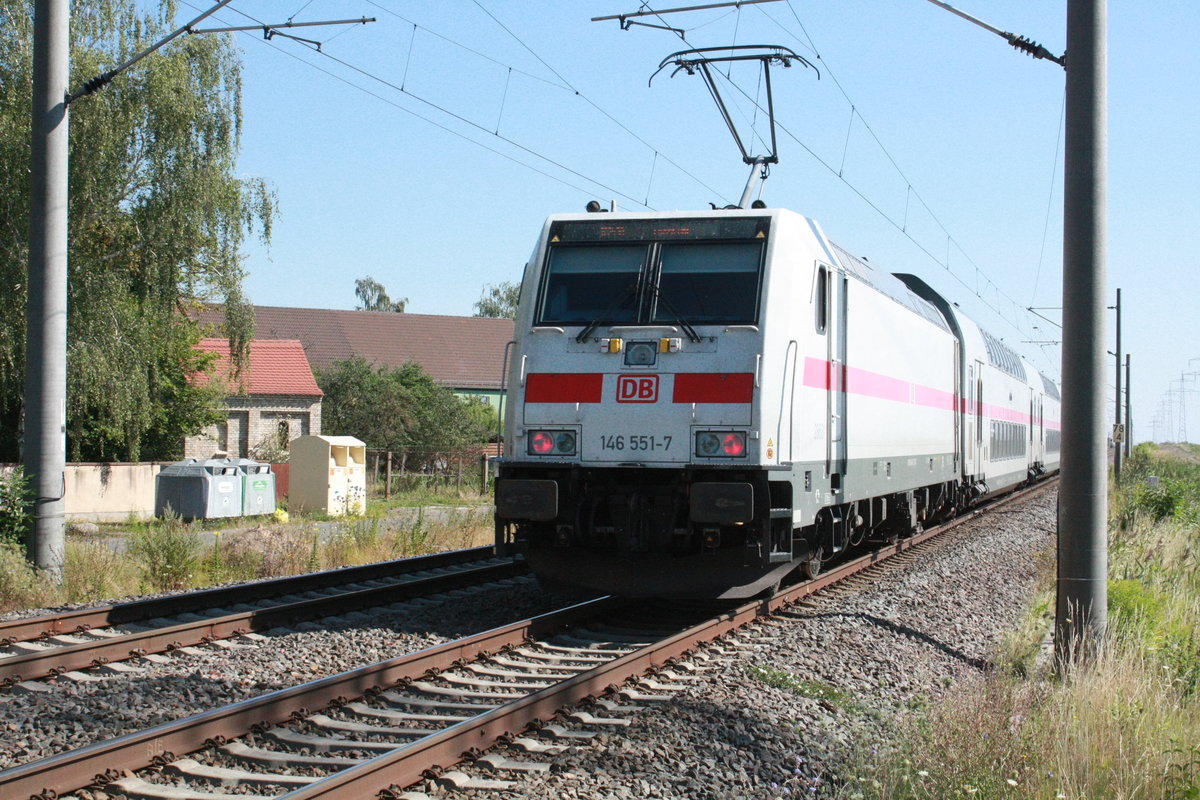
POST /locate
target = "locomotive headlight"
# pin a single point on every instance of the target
(552, 443)
(641, 354)
(721, 444)
(708, 444)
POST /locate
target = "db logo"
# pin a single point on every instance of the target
(637, 388)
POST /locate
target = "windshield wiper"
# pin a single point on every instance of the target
(591, 326)
(679, 320)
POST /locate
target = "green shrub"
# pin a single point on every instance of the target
(412, 540)
(1160, 502)
(169, 555)
(93, 571)
(1162, 623)
(233, 558)
(16, 507)
(20, 584)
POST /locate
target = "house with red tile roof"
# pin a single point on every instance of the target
(277, 400)
(465, 354)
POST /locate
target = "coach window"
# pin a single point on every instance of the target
(821, 305)
(586, 282)
(709, 284)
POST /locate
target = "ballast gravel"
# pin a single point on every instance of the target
(853, 660)
(780, 705)
(38, 724)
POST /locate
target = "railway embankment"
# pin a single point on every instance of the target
(781, 704)
(139, 557)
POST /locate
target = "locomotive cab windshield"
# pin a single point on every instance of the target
(704, 272)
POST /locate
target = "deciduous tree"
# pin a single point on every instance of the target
(374, 297)
(402, 409)
(157, 216)
(499, 300)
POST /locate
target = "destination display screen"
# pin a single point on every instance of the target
(644, 230)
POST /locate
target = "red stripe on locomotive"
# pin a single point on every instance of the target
(713, 387)
(564, 387)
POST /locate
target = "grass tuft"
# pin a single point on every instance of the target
(169, 555)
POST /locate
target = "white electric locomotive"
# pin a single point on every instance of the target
(700, 403)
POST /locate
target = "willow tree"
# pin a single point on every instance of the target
(157, 218)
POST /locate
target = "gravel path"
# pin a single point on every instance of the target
(849, 663)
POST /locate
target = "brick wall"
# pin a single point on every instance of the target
(251, 421)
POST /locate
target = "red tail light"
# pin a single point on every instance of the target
(541, 442)
(733, 444)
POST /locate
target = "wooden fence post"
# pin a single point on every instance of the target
(387, 489)
(483, 473)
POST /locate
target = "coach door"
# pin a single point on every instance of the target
(958, 435)
(977, 420)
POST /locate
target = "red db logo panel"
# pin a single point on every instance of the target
(637, 388)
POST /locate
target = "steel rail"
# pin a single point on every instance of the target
(84, 619)
(407, 764)
(56, 660)
(80, 768)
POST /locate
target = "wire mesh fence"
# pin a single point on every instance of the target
(451, 468)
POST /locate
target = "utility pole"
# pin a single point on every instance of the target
(1117, 446)
(45, 430)
(1081, 616)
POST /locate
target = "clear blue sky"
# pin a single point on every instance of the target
(553, 110)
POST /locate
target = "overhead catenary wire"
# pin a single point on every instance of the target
(592, 103)
(1062, 116)
(410, 112)
(483, 128)
(466, 121)
(977, 292)
(468, 48)
(655, 152)
(911, 191)
(562, 84)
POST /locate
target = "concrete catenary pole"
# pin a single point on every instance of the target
(45, 446)
(1118, 447)
(1081, 616)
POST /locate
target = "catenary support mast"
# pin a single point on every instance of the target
(45, 424)
(1081, 616)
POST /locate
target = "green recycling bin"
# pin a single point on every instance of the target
(258, 487)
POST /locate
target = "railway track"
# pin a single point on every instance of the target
(63, 644)
(504, 698)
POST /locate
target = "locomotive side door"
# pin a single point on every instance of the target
(835, 343)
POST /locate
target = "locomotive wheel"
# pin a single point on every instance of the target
(812, 567)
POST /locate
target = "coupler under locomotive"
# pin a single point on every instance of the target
(637, 532)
